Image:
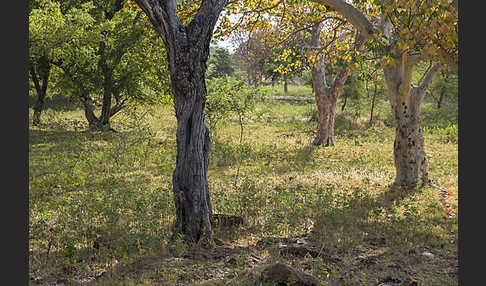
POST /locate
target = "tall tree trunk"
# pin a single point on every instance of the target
(325, 104)
(405, 99)
(326, 111)
(40, 87)
(106, 107)
(190, 184)
(104, 120)
(187, 51)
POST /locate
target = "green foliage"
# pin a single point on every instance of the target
(84, 42)
(53, 35)
(227, 98)
(220, 63)
(444, 88)
(300, 91)
(352, 88)
(307, 78)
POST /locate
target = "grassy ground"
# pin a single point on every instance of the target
(101, 203)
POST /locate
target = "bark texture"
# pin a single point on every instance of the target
(408, 148)
(188, 50)
(40, 76)
(107, 70)
(88, 102)
(107, 63)
(327, 96)
(326, 103)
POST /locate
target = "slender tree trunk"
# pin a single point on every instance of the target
(39, 104)
(41, 88)
(405, 99)
(285, 83)
(373, 100)
(326, 111)
(326, 99)
(104, 119)
(344, 103)
(38, 107)
(441, 97)
(322, 92)
(106, 107)
(102, 122)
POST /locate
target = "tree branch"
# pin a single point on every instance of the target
(353, 15)
(33, 75)
(429, 75)
(207, 16)
(163, 16)
(134, 35)
(345, 72)
(119, 106)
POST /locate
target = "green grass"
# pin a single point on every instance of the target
(292, 90)
(85, 184)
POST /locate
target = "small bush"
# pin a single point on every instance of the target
(227, 98)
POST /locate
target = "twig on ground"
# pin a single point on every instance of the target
(442, 190)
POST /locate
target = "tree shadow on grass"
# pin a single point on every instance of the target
(93, 223)
(58, 136)
(57, 102)
(384, 238)
(61, 139)
(377, 219)
(432, 117)
(277, 160)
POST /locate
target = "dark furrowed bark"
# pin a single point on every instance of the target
(190, 186)
(187, 51)
(104, 120)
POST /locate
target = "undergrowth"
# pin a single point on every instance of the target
(101, 199)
